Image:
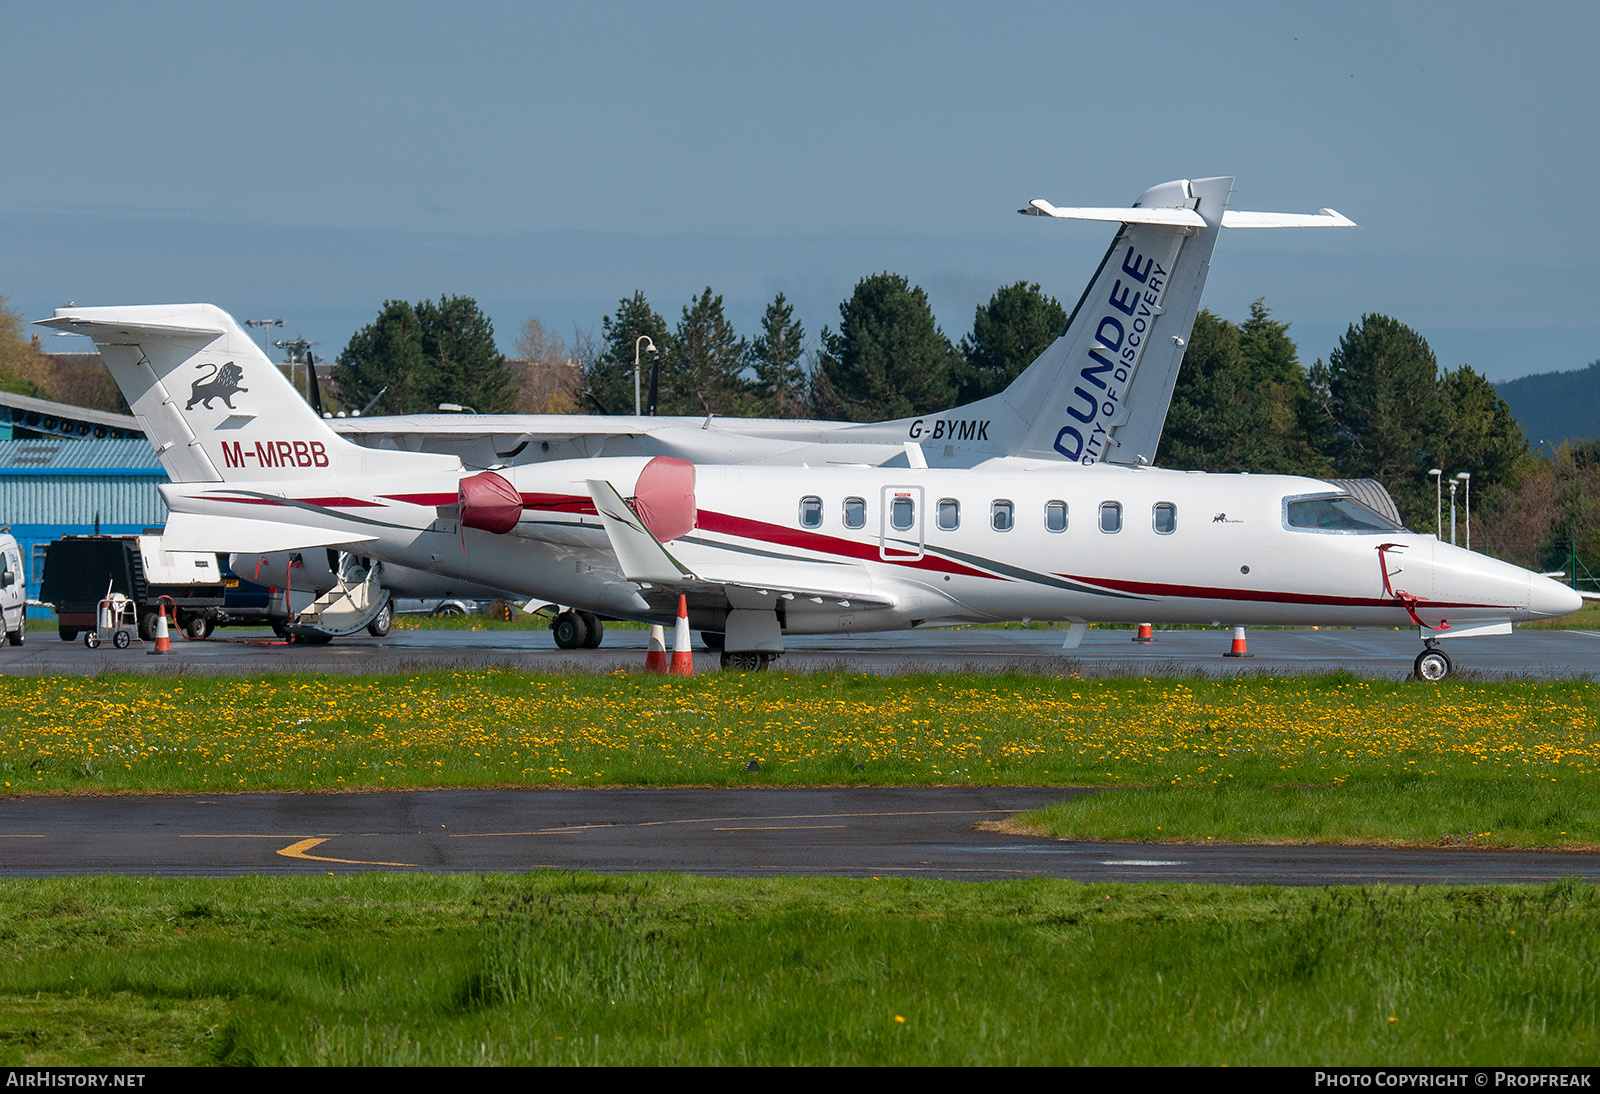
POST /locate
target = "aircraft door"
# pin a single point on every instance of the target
(900, 524)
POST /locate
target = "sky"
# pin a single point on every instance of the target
(310, 161)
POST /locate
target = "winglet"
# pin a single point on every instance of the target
(642, 556)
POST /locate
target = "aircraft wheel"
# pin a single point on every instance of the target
(15, 637)
(120, 639)
(570, 630)
(712, 640)
(597, 630)
(382, 621)
(1432, 666)
(198, 626)
(745, 661)
(68, 634)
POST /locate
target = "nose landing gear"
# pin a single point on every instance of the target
(1432, 665)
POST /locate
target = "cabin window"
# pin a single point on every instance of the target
(1111, 516)
(855, 513)
(902, 514)
(811, 512)
(1055, 516)
(949, 514)
(1001, 514)
(1166, 518)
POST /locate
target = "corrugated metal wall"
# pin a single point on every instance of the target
(82, 499)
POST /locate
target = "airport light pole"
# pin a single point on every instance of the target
(297, 349)
(1452, 512)
(1466, 482)
(637, 342)
(264, 324)
(1438, 502)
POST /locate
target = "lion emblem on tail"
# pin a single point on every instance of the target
(222, 382)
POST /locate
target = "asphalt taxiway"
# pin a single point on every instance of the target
(925, 832)
(1531, 654)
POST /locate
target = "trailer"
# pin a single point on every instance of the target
(81, 571)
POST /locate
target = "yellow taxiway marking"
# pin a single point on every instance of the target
(713, 820)
(298, 850)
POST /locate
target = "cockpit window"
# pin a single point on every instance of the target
(1335, 513)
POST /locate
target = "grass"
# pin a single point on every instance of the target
(1333, 758)
(578, 969)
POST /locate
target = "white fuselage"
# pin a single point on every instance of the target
(866, 548)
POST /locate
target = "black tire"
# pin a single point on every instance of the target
(712, 640)
(449, 609)
(68, 634)
(1432, 666)
(597, 630)
(15, 637)
(91, 639)
(198, 626)
(382, 622)
(745, 661)
(570, 630)
(147, 626)
(120, 639)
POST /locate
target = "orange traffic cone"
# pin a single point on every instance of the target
(1146, 635)
(163, 645)
(656, 659)
(682, 659)
(1238, 645)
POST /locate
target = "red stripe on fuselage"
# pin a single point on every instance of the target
(708, 521)
(1206, 592)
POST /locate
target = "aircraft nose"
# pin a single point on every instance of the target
(1548, 599)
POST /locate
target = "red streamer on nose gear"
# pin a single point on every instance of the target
(1407, 601)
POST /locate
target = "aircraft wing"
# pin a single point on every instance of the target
(646, 561)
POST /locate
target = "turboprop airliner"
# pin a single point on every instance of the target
(763, 551)
(1098, 394)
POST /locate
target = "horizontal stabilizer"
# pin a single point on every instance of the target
(1173, 218)
(1323, 218)
(227, 535)
(1188, 218)
(117, 331)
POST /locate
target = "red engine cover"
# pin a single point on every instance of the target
(664, 497)
(489, 502)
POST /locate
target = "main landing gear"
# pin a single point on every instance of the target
(1432, 665)
(576, 630)
(747, 660)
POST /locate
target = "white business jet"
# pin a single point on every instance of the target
(761, 551)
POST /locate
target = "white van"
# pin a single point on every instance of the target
(13, 588)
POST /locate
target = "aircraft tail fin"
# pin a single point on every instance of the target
(213, 406)
(1100, 392)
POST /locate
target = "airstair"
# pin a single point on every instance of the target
(355, 601)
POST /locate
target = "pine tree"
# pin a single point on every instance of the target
(888, 360)
(775, 357)
(609, 377)
(703, 376)
(1008, 333)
